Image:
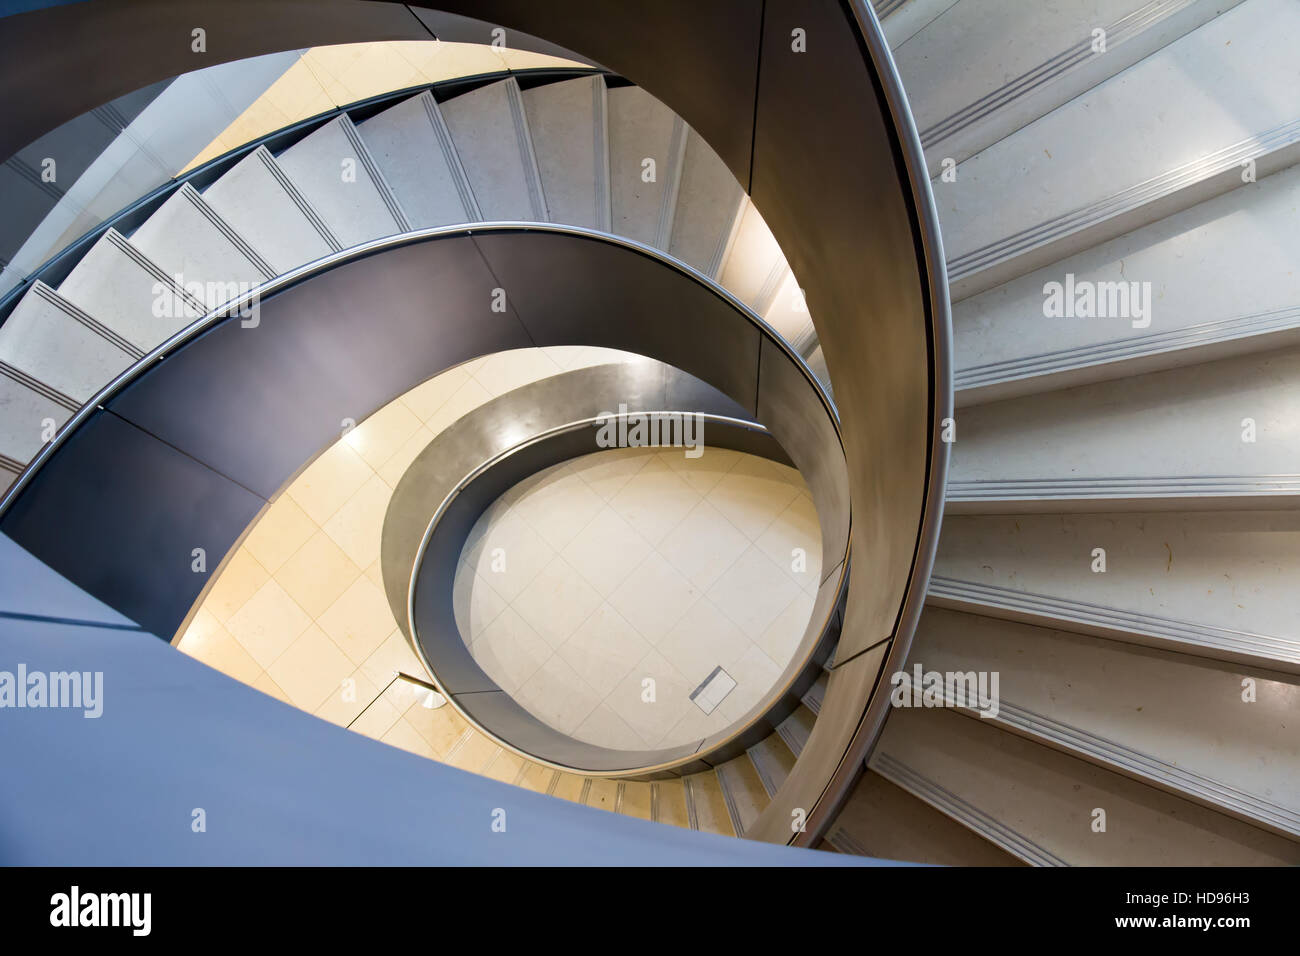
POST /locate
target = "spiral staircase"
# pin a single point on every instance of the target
(497, 153)
(1124, 670)
(1117, 534)
(567, 151)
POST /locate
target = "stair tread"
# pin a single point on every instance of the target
(55, 342)
(1170, 719)
(708, 805)
(708, 201)
(743, 791)
(1006, 202)
(567, 123)
(1101, 440)
(413, 147)
(1006, 66)
(670, 803)
(257, 198)
(22, 424)
(490, 130)
(796, 728)
(882, 820)
(602, 793)
(334, 172)
(1214, 583)
(190, 242)
(642, 129)
(1005, 347)
(115, 283)
(773, 760)
(636, 799)
(1038, 803)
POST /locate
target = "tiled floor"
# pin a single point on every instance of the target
(329, 76)
(299, 611)
(588, 579)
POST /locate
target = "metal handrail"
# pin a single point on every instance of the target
(310, 270)
(906, 148)
(770, 698)
(908, 144)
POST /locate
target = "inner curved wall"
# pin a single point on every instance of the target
(298, 608)
(879, 291)
(454, 480)
(335, 349)
(299, 612)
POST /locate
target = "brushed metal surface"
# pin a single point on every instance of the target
(335, 341)
(813, 442)
(862, 236)
(503, 423)
(838, 174)
(260, 403)
(449, 511)
(582, 291)
(119, 514)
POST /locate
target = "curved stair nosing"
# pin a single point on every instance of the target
(372, 170)
(42, 291)
(725, 784)
(123, 245)
(1156, 198)
(692, 813)
(33, 384)
(1107, 361)
(295, 195)
(1113, 756)
(884, 8)
(840, 839)
(1084, 495)
(1129, 627)
(191, 195)
(767, 775)
(668, 199)
(813, 697)
(971, 817)
(527, 155)
(791, 730)
(450, 156)
(1033, 80)
(600, 161)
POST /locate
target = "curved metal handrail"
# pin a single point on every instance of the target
(900, 169)
(908, 144)
(303, 273)
(758, 712)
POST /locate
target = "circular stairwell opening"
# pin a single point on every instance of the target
(642, 598)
